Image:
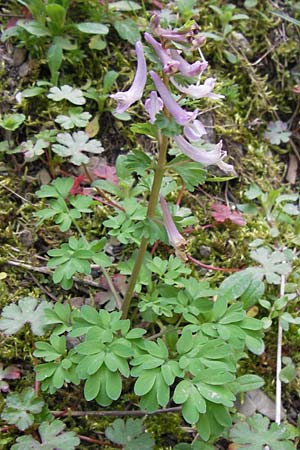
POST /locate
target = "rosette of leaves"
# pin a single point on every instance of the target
(104, 354)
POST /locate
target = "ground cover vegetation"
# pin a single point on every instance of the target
(150, 225)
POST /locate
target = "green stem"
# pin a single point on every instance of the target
(154, 194)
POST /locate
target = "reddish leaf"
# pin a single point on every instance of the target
(222, 213)
(106, 172)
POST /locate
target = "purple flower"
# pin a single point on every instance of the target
(169, 65)
(200, 91)
(153, 105)
(199, 155)
(175, 238)
(186, 69)
(127, 98)
(181, 116)
(194, 130)
(227, 168)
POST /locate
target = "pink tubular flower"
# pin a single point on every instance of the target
(181, 116)
(169, 64)
(194, 130)
(201, 156)
(195, 91)
(175, 238)
(153, 105)
(186, 69)
(127, 98)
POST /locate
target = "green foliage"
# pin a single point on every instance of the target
(74, 145)
(27, 310)
(11, 122)
(192, 173)
(62, 211)
(32, 150)
(59, 368)
(66, 92)
(127, 29)
(256, 433)
(126, 225)
(277, 132)
(273, 264)
(21, 408)
(155, 374)
(76, 256)
(130, 434)
(52, 437)
(75, 118)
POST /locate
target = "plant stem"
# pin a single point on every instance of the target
(278, 362)
(154, 194)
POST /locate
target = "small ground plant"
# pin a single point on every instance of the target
(160, 336)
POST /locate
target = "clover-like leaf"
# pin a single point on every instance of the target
(277, 132)
(21, 408)
(273, 264)
(130, 434)
(255, 434)
(75, 118)
(9, 373)
(75, 145)
(66, 92)
(28, 309)
(53, 437)
(34, 149)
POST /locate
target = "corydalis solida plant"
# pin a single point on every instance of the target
(189, 129)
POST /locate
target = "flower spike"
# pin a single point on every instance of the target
(175, 238)
(127, 98)
(181, 116)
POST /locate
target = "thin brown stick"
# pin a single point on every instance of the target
(116, 413)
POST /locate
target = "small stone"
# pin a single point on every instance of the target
(205, 251)
(19, 56)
